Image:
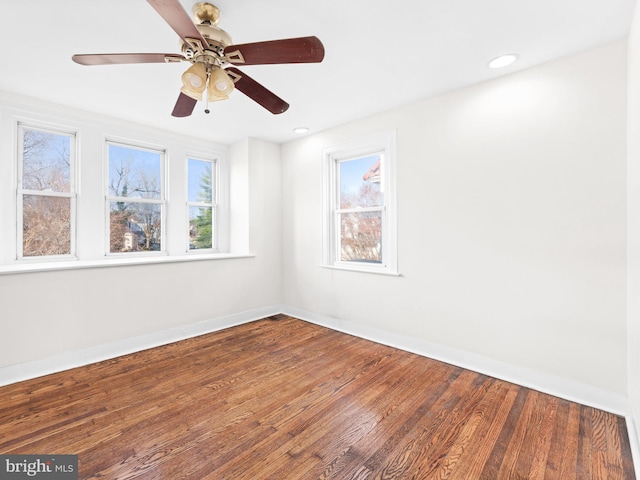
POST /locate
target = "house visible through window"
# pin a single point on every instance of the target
(46, 193)
(359, 213)
(201, 203)
(135, 199)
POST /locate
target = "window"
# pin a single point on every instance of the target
(359, 207)
(135, 199)
(46, 192)
(201, 204)
(79, 191)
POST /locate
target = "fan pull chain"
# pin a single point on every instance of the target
(205, 94)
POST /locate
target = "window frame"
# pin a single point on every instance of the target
(214, 204)
(383, 144)
(21, 192)
(162, 201)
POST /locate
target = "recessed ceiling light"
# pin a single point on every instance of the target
(300, 130)
(503, 60)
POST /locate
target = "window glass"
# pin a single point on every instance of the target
(360, 189)
(46, 161)
(46, 225)
(201, 205)
(361, 237)
(135, 227)
(200, 227)
(135, 199)
(134, 173)
(200, 181)
(360, 182)
(46, 205)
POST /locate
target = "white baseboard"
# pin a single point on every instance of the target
(541, 381)
(67, 360)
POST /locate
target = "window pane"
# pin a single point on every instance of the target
(134, 173)
(360, 182)
(200, 227)
(361, 237)
(46, 225)
(46, 161)
(134, 227)
(200, 181)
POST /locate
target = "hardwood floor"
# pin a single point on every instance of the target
(284, 399)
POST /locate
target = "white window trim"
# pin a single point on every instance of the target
(384, 143)
(20, 192)
(49, 266)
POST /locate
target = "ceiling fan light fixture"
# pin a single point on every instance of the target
(194, 81)
(220, 85)
(210, 51)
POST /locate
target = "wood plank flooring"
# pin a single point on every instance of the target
(283, 399)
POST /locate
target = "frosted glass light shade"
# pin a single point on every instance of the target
(194, 81)
(220, 85)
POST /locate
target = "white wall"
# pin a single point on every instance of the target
(46, 314)
(633, 219)
(511, 221)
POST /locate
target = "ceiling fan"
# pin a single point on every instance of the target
(211, 53)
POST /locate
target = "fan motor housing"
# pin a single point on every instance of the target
(215, 37)
(212, 53)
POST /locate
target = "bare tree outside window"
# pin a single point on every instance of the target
(46, 191)
(135, 199)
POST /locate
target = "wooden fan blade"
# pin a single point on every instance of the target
(173, 13)
(184, 106)
(290, 50)
(119, 58)
(257, 92)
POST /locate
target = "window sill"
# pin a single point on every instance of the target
(48, 266)
(375, 270)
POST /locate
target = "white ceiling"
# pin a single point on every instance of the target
(378, 55)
